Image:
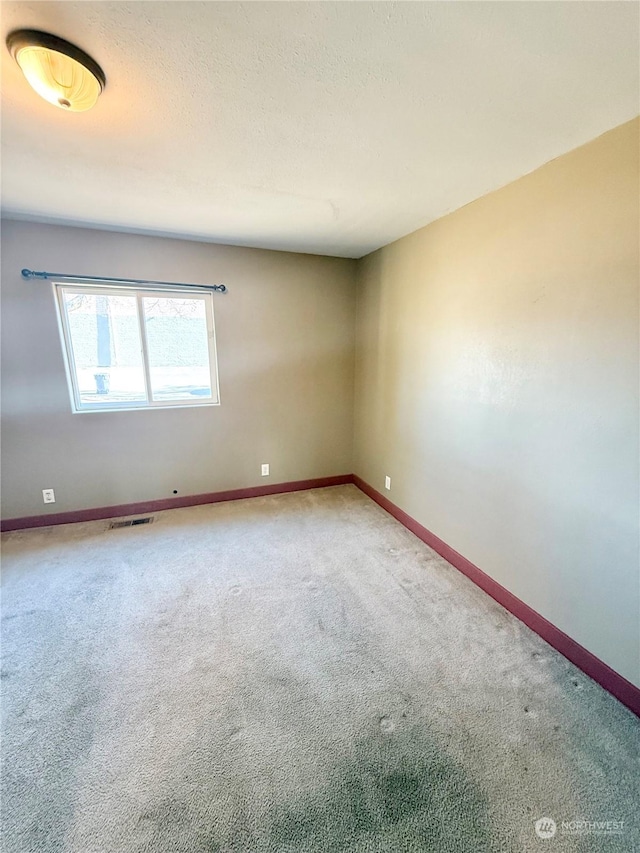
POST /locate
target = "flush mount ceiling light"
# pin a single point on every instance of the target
(59, 71)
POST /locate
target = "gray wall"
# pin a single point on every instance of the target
(497, 384)
(285, 354)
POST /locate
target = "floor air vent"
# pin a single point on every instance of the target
(131, 522)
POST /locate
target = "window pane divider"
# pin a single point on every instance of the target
(145, 350)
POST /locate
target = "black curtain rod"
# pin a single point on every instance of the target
(142, 282)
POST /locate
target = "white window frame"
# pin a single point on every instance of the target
(77, 406)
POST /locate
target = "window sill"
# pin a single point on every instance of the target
(108, 409)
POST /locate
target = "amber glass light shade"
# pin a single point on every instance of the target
(58, 71)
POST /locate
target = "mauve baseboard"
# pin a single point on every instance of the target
(613, 682)
(98, 513)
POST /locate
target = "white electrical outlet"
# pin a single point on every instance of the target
(265, 469)
(387, 483)
(48, 496)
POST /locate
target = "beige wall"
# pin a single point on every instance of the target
(497, 384)
(285, 353)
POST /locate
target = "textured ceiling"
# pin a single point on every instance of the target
(316, 127)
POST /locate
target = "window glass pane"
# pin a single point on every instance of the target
(177, 348)
(105, 335)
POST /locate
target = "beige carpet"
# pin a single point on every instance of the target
(291, 673)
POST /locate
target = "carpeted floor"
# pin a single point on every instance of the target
(291, 673)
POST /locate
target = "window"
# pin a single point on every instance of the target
(129, 348)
